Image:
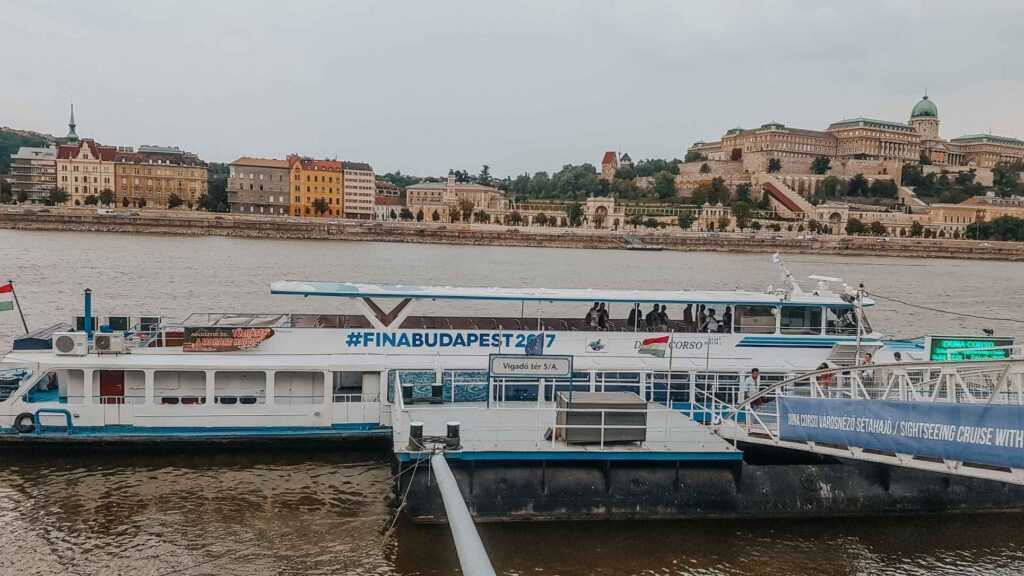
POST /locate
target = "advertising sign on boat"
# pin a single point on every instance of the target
(224, 339)
(512, 365)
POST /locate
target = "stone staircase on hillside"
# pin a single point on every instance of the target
(788, 202)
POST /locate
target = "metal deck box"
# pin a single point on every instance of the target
(584, 409)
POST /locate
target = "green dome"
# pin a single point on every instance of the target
(924, 108)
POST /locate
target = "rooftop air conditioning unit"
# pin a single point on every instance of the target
(110, 343)
(71, 343)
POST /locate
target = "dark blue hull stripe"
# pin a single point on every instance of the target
(584, 456)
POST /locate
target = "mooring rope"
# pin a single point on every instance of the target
(942, 311)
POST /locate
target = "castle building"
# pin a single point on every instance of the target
(866, 139)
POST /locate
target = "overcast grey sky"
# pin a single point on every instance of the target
(425, 86)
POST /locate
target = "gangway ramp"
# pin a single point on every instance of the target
(958, 418)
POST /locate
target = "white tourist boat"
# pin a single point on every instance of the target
(338, 376)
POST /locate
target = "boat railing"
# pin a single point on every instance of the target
(999, 382)
(355, 398)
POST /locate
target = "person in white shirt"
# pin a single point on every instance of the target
(751, 384)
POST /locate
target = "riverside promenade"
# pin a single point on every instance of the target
(189, 223)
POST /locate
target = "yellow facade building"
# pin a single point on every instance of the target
(317, 187)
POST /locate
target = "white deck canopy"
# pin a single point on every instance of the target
(372, 291)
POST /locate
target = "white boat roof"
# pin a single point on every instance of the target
(354, 290)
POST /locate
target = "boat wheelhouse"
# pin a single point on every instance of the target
(338, 375)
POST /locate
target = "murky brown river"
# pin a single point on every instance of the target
(245, 512)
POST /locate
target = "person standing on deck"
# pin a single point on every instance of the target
(633, 321)
(590, 320)
(602, 317)
(652, 318)
(726, 320)
(688, 318)
(702, 318)
(751, 384)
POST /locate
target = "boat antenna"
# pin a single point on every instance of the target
(794, 286)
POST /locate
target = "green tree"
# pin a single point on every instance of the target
(821, 165)
(877, 228)
(482, 217)
(466, 206)
(743, 192)
(216, 188)
(916, 229)
(419, 215)
(650, 223)
(142, 202)
(107, 197)
(125, 202)
(625, 173)
(514, 218)
(541, 219)
(485, 175)
(435, 216)
(21, 196)
(520, 187)
(694, 156)
(405, 214)
(91, 200)
(854, 227)
(665, 185)
(685, 220)
(832, 187)
(883, 189)
(320, 206)
(742, 212)
(858, 186)
(575, 213)
(653, 166)
(924, 159)
(57, 197)
(705, 169)
(774, 165)
(723, 223)
(755, 226)
(173, 201)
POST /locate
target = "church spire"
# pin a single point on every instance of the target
(72, 135)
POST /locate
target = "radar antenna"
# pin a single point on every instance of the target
(787, 276)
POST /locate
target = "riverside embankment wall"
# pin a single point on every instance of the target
(205, 224)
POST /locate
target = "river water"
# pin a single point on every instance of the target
(248, 513)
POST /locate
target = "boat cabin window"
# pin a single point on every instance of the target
(356, 386)
(464, 385)
(54, 386)
(841, 320)
(419, 386)
(298, 388)
(10, 380)
(750, 319)
(179, 387)
(800, 320)
(240, 387)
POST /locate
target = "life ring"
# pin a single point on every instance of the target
(24, 423)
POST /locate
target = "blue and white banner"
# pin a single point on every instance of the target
(976, 433)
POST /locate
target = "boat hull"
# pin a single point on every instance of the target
(792, 486)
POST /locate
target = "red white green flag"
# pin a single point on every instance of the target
(654, 346)
(6, 297)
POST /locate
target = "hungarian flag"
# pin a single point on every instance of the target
(654, 346)
(6, 297)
